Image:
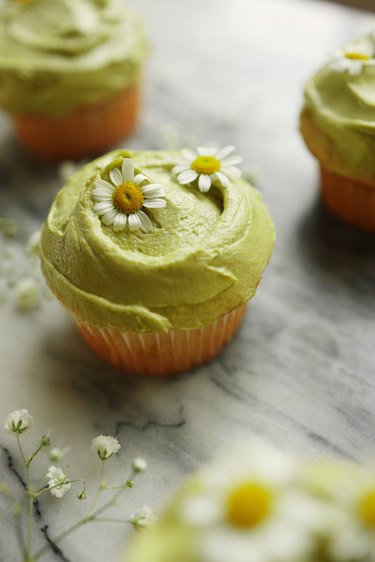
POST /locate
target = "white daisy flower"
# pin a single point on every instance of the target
(208, 165)
(352, 536)
(248, 511)
(352, 59)
(18, 421)
(121, 202)
(58, 482)
(105, 446)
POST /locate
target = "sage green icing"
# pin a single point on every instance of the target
(57, 55)
(205, 256)
(342, 108)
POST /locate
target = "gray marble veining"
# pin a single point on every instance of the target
(300, 371)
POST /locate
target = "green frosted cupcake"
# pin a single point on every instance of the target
(338, 126)
(155, 259)
(70, 73)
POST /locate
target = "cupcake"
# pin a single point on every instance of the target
(338, 126)
(70, 73)
(156, 254)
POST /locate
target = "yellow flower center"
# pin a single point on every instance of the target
(128, 198)
(206, 165)
(367, 509)
(356, 56)
(248, 505)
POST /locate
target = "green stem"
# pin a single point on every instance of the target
(79, 524)
(33, 455)
(29, 536)
(100, 487)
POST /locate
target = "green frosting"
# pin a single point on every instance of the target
(56, 55)
(338, 119)
(204, 257)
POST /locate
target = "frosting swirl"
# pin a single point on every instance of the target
(204, 258)
(338, 118)
(56, 55)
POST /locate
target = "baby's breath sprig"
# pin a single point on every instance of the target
(60, 483)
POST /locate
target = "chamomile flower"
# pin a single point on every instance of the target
(352, 59)
(352, 536)
(120, 202)
(249, 511)
(208, 166)
(58, 482)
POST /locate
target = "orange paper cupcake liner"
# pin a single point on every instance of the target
(87, 130)
(351, 200)
(162, 354)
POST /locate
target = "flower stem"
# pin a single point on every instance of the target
(29, 536)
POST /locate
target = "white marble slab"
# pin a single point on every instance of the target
(300, 371)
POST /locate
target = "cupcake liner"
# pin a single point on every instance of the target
(160, 354)
(351, 200)
(87, 130)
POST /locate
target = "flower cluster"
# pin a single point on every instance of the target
(259, 505)
(60, 483)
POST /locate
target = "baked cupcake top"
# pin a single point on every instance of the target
(129, 244)
(340, 98)
(56, 55)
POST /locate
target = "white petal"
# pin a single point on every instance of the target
(189, 154)
(231, 161)
(231, 171)
(119, 222)
(128, 169)
(139, 178)
(102, 197)
(206, 151)
(151, 187)
(339, 65)
(154, 203)
(103, 208)
(146, 224)
(154, 193)
(224, 152)
(221, 178)
(109, 217)
(187, 177)
(355, 68)
(181, 168)
(102, 184)
(134, 222)
(116, 176)
(204, 183)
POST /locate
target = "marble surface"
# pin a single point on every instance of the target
(301, 370)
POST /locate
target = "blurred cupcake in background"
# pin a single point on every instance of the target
(156, 255)
(70, 73)
(338, 126)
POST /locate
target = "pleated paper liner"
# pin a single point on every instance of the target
(87, 130)
(351, 200)
(161, 354)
